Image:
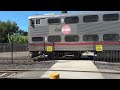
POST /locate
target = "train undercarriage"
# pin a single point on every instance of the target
(107, 55)
(60, 55)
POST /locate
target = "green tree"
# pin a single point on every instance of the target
(6, 28)
(22, 32)
(17, 39)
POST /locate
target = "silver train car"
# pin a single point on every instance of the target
(70, 35)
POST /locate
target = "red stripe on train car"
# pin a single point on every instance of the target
(71, 44)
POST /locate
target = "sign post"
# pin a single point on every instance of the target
(12, 52)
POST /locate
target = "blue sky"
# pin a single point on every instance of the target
(21, 17)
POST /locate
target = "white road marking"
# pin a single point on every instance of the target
(11, 75)
(3, 74)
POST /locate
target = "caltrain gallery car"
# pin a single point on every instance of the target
(69, 35)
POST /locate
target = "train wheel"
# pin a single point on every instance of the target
(33, 54)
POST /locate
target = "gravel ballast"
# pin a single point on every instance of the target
(25, 64)
(107, 65)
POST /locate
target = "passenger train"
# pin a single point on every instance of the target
(71, 34)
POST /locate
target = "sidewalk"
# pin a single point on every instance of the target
(74, 69)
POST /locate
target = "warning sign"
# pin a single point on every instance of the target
(99, 48)
(49, 48)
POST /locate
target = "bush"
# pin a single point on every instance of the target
(17, 39)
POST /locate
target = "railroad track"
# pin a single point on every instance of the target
(8, 74)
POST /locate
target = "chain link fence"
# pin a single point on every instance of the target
(11, 53)
(18, 54)
(107, 51)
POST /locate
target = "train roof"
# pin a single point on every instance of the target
(71, 14)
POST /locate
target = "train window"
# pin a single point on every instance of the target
(36, 39)
(71, 38)
(37, 21)
(54, 21)
(111, 37)
(32, 22)
(55, 38)
(73, 19)
(90, 18)
(111, 17)
(91, 37)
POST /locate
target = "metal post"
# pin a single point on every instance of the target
(26, 47)
(4, 47)
(12, 52)
(94, 52)
(44, 51)
(54, 51)
(94, 57)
